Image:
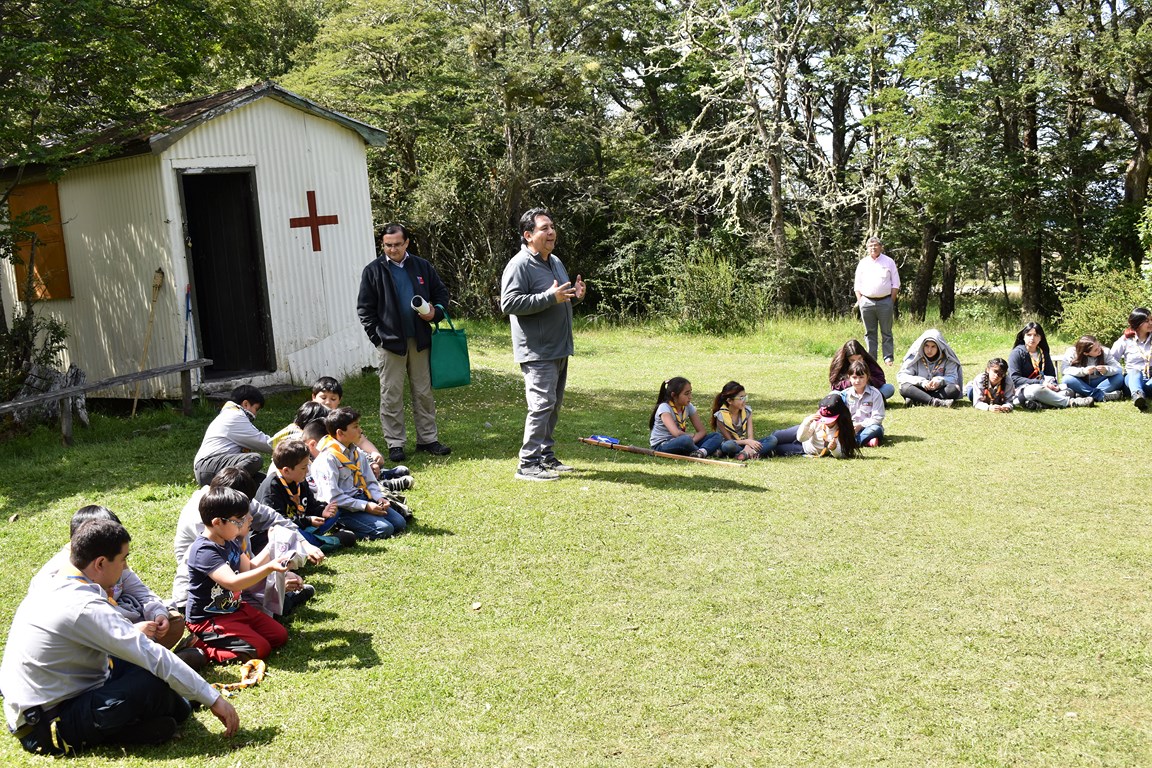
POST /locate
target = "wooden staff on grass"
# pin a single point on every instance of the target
(661, 454)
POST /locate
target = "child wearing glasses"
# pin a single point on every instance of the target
(227, 628)
(732, 418)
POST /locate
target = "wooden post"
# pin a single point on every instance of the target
(66, 420)
(186, 391)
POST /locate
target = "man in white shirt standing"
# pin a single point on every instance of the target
(877, 284)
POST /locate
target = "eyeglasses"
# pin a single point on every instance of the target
(740, 397)
(239, 521)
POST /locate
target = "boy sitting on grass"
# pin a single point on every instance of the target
(287, 491)
(328, 392)
(232, 439)
(344, 475)
(227, 628)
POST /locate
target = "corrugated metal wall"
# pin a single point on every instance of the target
(115, 231)
(123, 219)
(311, 295)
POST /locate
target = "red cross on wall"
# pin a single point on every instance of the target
(312, 221)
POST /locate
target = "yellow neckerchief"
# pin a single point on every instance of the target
(352, 464)
(250, 674)
(831, 435)
(681, 417)
(1037, 363)
(292, 497)
(75, 574)
(737, 428)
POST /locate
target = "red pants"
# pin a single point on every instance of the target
(244, 634)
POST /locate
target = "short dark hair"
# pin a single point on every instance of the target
(316, 430)
(223, 503)
(237, 479)
(90, 512)
(392, 228)
(327, 384)
(309, 412)
(247, 392)
(528, 221)
(289, 453)
(97, 538)
(341, 418)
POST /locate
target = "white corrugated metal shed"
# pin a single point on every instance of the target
(303, 168)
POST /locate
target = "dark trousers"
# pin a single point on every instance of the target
(129, 696)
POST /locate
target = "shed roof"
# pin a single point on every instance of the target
(154, 131)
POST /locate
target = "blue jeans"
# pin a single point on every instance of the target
(786, 442)
(369, 526)
(683, 445)
(732, 448)
(887, 389)
(869, 432)
(1135, 382)
(1094, 387)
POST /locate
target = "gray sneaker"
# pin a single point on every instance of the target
(1082, 402)
(536, 472)
(398, 484)
(942, 403)
(556, 465)
(1112, 397)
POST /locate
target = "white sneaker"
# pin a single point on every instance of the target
(1082, 402)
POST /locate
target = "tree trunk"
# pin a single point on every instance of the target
(947, 287)
(929, 250)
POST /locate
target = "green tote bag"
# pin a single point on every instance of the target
(449, 358)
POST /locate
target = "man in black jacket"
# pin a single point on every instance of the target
(402, 337)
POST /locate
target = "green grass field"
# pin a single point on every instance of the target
(973, 593)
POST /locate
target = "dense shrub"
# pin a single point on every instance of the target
(1098, 302)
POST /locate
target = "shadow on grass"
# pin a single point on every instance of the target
(902, 438)
(663, 480)
(416, 529)
(312, 648)
(194, 742)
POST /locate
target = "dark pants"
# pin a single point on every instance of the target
(108, 713)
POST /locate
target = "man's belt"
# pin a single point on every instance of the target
(879, 298)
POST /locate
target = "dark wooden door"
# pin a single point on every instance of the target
(228, 278)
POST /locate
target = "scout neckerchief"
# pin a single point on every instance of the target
(993, 394)
(351, 463)
(250, 674)
(74, 574)
(935, 366)
(737, 428)
(1037, 364)
(681, 418)
(293, 497)
(830, 435)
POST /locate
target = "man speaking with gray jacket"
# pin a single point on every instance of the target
(537, 295)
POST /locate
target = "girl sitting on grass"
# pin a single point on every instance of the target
(1091, 371)
(852, 351)
(1031, 369)
(671, 419)
(993, 390)
(1134, 349)
(931, 372)
(827, 432)
(732, 418)
(866, 405)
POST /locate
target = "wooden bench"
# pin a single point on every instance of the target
(68, 393)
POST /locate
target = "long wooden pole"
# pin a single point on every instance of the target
(661, 454)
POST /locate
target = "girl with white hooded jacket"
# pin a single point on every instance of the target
(931, 372)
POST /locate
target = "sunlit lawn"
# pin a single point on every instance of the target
(974, 593)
